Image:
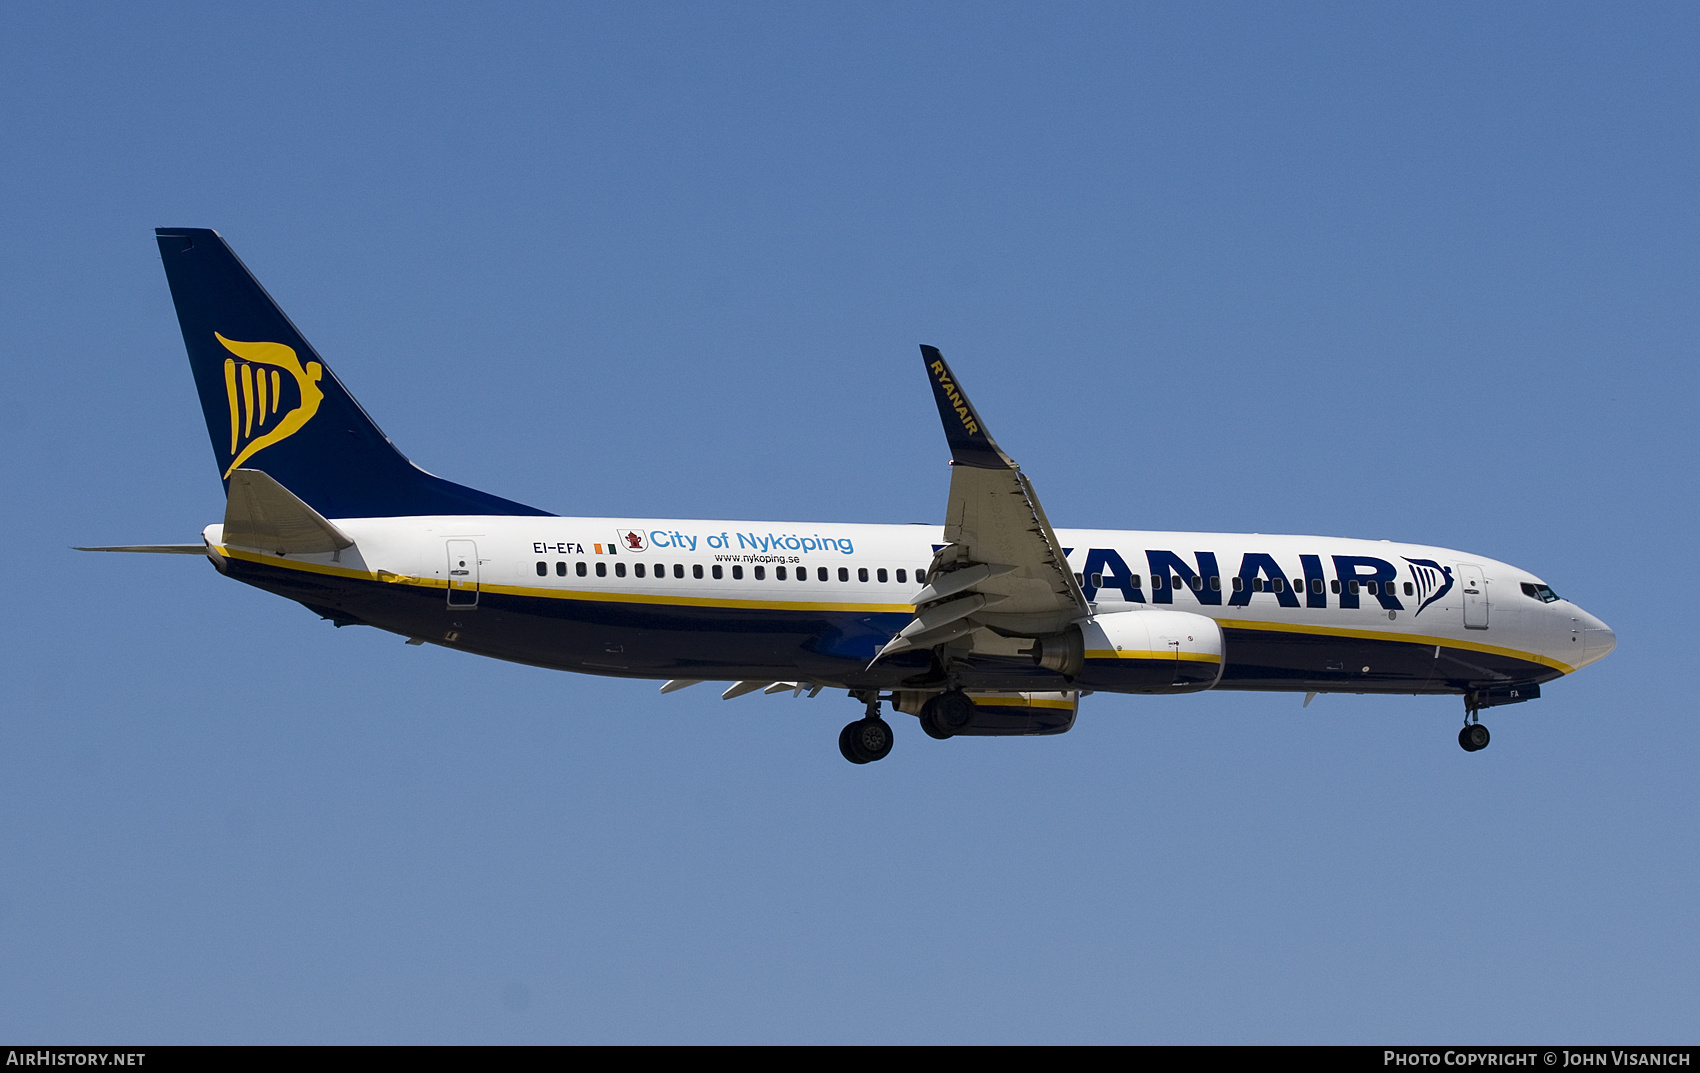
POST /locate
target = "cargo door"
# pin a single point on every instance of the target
(463, 573)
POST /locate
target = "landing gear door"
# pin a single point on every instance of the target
(463, 573)
(1475, 596)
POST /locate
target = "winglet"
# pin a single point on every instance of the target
(970, 443)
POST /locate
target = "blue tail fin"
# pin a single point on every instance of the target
(271, 403)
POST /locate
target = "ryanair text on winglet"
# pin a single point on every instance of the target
(955, 398)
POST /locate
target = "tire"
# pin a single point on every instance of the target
(929, 720)
(871, 738)
(849, 747)
(1474, 738)
(953, 711)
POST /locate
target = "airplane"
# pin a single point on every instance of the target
(992, 624)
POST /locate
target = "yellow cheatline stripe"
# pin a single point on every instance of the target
(555, 594)
(1006, 700)
(1406, 638)
(310, 568)
(1160, 653)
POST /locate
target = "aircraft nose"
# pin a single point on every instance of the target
(1598, 639)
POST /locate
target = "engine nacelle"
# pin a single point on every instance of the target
(1150, 650)
(1005, 714)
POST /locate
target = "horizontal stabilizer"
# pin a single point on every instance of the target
(264, 515)
(155, 549)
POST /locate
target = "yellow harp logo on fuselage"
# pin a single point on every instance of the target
(254, 387)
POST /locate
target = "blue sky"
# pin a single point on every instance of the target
(1424, 273)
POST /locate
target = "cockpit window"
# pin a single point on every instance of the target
(1540, 592)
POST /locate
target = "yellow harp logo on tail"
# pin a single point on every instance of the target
(255, 389)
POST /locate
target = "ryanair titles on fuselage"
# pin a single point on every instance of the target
(1282, 571)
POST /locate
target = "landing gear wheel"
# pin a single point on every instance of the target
(865, 741)
(930, 720)
(1474, 737)
(845, 747)
(953, 712)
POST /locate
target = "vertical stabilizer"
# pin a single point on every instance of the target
(272, 405)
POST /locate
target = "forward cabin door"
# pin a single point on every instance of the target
(1475, 596)
(463, 573)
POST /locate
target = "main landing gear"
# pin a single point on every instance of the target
(947, 715)
(868, 738)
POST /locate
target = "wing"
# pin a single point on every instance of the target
(1002, 568)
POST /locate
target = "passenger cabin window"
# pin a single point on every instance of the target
(761, 573)
(619, 569)
(1197, 584)
(737, 573)
(880, 573)
(1410, 589)
(637, 568)
(1539, 592)
(1352, 587)
(1215, 583)
(1316, 585)
(1097, 581)
(1239, 584)
(579, 569)
(844, 573)
(717, 574)
(902, 577)
(1137, 580)
(696, 571)
(1256, 584)
(861, 573)
(920, 577)
(542, 569)
(779, 573)
(561, 569)
(601, 569)
(1279, 584)
(1335, 585)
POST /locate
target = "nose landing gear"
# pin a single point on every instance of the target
(1474, 737)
